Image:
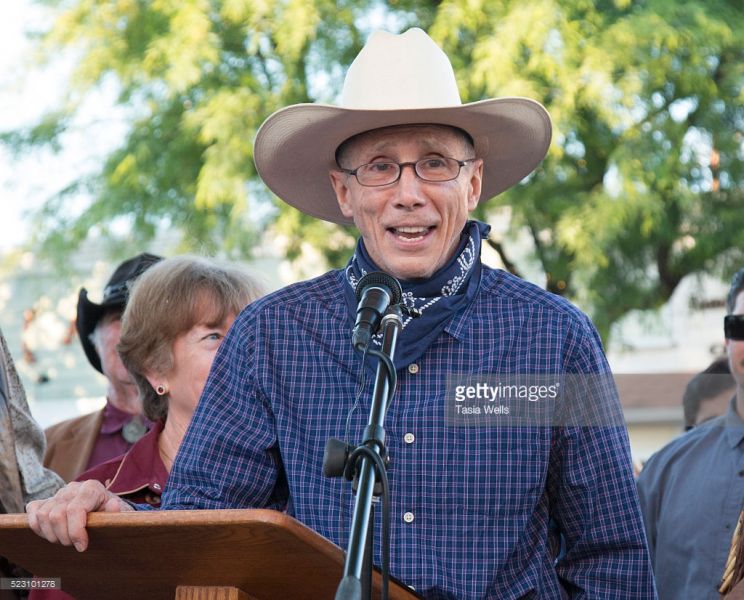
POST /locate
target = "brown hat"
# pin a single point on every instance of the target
(401, 79)
(115, 296)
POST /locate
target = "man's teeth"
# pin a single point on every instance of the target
(411, 229)
(410, 234)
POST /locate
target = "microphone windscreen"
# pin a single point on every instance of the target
(380, 278)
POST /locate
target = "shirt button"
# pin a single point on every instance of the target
(408, 517)
(409, 438)
(413, 368)
(156, 486)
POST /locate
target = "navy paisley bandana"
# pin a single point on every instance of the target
(438, 298)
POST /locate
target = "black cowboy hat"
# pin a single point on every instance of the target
(114, 300)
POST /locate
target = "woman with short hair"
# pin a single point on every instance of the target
(176, 317)
(178, 312)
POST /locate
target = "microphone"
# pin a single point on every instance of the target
(375, 292)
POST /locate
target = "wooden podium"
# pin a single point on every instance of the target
(188, 555)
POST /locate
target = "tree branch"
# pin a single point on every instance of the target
(508, 264)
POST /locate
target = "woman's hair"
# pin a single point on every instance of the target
(166, 301)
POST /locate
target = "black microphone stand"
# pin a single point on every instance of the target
(362, 461)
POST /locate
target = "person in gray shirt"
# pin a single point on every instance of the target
(692, 490)
(22, 475)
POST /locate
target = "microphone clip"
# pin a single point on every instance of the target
(410, 311)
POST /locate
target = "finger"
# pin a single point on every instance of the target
(64, 509)
(63, 517)
(39, 512)
(116, 504)
(45, 527)
(32, 509)
(77, 519)
(56, 523)
(91, 496)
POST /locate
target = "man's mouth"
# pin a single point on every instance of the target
(410, 234)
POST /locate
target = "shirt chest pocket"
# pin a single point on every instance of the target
(494, 471)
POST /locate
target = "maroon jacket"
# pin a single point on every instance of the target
(138, 476)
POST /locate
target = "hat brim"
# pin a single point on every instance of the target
(88, 315)
(295, 147)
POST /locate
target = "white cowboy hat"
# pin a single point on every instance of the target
(395, 80)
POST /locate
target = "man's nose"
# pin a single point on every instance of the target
(409, 191)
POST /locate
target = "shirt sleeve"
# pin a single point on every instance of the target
(229, 457)
(649, 496)
(37, 482)
(593, 496)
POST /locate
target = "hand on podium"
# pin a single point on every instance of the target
(63, 517)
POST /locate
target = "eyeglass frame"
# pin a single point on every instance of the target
(460, 165)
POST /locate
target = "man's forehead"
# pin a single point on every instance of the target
(425, 136)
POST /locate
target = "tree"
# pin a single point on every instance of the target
(642, 185)
(644, 181)
(196, 79)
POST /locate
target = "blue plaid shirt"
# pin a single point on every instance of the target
(470, 505)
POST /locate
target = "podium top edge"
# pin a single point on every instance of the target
(157, 518)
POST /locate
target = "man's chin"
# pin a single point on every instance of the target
(411, 272)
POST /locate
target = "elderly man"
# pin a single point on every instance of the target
(78, 444)
(406, 162)
(692, 490)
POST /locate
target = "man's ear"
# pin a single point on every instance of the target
(339, 182)
(475, 184)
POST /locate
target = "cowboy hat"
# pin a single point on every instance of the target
(115, 296)
(395, 80)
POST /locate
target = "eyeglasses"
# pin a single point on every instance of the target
(733, 327)
(433, 169)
